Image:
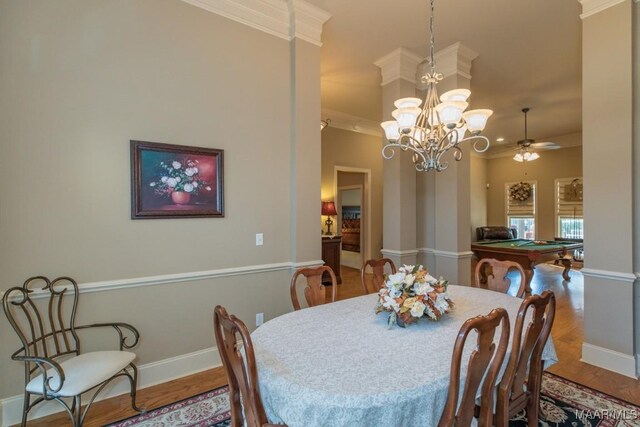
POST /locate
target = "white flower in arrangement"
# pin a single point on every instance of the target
(178, 179)
(422, 288)
(441, 303)
(190, 171)
(417, 310)
(188, 188)
(195, 184)
(408, 280)
(163, 179)
(171, 182)
(430, 279)
(153, 184)
(395, 292)
(176, 165)
(396, 279)
(207, 188)
(407, 269)
(390, 303)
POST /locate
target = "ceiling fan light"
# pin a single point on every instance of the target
(533, 156)
(476, 119)
(407, 102)
(406, 117)
(391, 130)
(451, 111)
(455, 95)
(518, 157)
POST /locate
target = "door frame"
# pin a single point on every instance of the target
(366, 195)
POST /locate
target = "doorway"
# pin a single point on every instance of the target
(353, 203)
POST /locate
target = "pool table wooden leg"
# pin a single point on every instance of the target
(528, 273)
(566, 263)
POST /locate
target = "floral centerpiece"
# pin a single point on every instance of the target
(520, 191)
(179, 177)
(412, 293)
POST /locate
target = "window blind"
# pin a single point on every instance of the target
(569, 197)
(517, 207)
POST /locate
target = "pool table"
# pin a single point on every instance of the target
(528, 253)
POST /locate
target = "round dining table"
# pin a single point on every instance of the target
(340, 364)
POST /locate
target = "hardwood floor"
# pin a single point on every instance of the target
(567, 335)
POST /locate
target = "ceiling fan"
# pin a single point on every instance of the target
(526, 146)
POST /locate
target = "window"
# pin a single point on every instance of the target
(568, 204)
(521, 214)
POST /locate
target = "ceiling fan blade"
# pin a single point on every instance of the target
(545, 145)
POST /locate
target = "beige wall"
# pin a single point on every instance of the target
(355, 150)
(563, 163)
(82, 78)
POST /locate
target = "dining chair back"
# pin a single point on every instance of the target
(522, 379)
(484, 362)
(314, 289)
(42, 312)
(377, 267)
(241, 371)
(492, 274)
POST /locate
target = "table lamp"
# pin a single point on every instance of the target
(328, 209)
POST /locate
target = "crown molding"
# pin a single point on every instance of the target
(284, 19)
(398, 64)
(591, 7)
(351, 123)
(308, 21)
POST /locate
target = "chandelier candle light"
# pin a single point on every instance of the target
(438, 126)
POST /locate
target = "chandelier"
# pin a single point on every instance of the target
(438, 126)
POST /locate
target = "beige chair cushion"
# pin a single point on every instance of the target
(84, 372)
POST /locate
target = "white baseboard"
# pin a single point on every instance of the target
(611, 360)
(150, 374)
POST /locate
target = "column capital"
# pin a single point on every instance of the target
(450, 61)
(398, 64)
(591, 7)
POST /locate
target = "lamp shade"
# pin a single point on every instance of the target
(329, 208)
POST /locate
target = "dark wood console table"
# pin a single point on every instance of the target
(331, 247)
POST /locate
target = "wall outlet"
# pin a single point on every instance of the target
(259, 239)
(259, 319)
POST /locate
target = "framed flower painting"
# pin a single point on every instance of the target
(176, 181)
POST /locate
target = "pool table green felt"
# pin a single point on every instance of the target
(529, 245)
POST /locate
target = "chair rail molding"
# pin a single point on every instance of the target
(398, 253)
(445, 254)
(112, 285)
(610, 275)
(281, 18)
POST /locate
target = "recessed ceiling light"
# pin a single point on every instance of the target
(499, 139)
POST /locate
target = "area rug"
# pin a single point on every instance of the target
(563, 403)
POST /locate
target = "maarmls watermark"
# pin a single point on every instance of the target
(616, 414)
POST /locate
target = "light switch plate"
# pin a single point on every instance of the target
(259, 239)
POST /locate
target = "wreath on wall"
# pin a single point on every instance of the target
(520, 191)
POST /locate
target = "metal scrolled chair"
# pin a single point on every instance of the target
(377, 267)
(244, 392)
(55, 368)
(492, 274)
(522, 379)
(314, 291)
(484, 362)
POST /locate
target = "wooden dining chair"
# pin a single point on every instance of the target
(377, 266)
(485, 361)
(492, 274)
(242, 374)
(520, 385)
(314, 290)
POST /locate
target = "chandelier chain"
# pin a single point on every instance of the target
(432, 40)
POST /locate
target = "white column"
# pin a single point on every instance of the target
(607, 120)
(399, 174)
(451, 216)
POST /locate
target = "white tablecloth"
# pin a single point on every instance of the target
(339, 365)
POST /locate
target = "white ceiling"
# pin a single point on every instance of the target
(529, 56)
